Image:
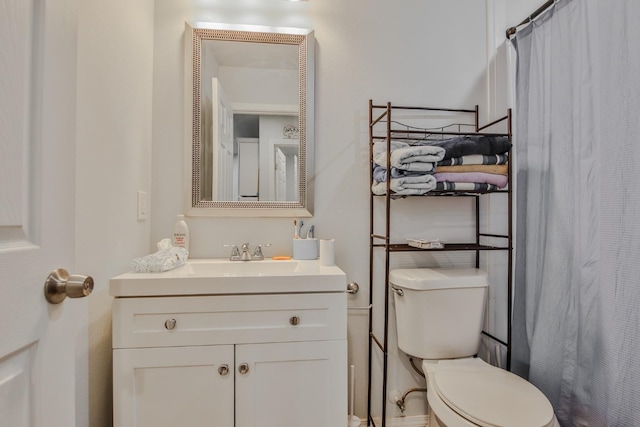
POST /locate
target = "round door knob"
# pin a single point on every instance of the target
(60, 285)
(243, 368)
(294, 320)
(223, 370)
(170, 324)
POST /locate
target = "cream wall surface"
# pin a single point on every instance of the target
(130, 128)
(115, 72)
(424, 53)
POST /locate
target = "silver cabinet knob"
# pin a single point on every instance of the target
(243, 368)
(60, 284)
(294, 320)
(223, 370)
(170, 324)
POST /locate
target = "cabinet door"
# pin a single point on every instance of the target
(292, 384)
(173, 386)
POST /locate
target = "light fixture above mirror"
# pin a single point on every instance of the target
(253, 73)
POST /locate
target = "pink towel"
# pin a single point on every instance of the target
(477, 177)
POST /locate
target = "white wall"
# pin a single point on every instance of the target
(115, 73)
(425, 53)
(260, 85)
(518, 10)
(419, 52)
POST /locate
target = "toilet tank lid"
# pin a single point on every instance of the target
(438, 278)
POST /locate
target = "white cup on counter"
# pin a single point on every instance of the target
(327, 252)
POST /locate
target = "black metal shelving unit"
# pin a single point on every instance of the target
(383, 126)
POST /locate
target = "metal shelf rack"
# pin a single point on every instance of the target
(383, 126)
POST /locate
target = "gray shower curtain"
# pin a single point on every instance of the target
(576, 321)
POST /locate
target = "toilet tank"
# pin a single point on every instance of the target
(439, 311)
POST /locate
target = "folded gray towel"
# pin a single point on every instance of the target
(380, 173)
(406, 186)
(418, 158)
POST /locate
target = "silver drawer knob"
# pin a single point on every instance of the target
(170, 324)
(223, 370)
(294, 320)
(243, 368)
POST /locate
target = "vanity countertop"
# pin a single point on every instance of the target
(224, 277)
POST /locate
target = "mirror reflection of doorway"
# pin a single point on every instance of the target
(267, 167)
(285, 156)
(248, 175)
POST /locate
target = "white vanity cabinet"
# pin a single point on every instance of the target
(230, 360)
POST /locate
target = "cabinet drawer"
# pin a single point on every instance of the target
(228, 319)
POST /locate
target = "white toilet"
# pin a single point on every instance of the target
(439, 316)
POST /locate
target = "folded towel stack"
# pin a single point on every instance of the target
(465, 163)
(412, 167)
(478, 160)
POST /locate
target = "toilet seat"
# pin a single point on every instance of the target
(490, 396)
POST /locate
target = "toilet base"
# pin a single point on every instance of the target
(434, 421)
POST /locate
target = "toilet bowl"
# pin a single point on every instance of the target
(470, 393)
(439, 319)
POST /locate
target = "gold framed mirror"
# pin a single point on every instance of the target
(248, 120)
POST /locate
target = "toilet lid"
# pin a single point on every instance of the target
(490, 396)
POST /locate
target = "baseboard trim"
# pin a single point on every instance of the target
(413, 421)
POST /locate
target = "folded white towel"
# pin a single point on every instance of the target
(419, 158)
(168, 257)
(406, 186)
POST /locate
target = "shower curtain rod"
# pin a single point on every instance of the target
(511, 31)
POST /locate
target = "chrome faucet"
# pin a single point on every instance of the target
(246, 256)
(236, 254)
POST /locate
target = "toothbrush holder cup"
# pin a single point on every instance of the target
(305, 248)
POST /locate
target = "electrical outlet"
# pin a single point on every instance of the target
(142, 206)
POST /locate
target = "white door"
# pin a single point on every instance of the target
(281, 175)
(222, 118)
(39, 341)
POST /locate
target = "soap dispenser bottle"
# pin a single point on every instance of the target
(180, 236)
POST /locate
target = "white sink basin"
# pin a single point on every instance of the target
(221, 277)
(224, 267)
